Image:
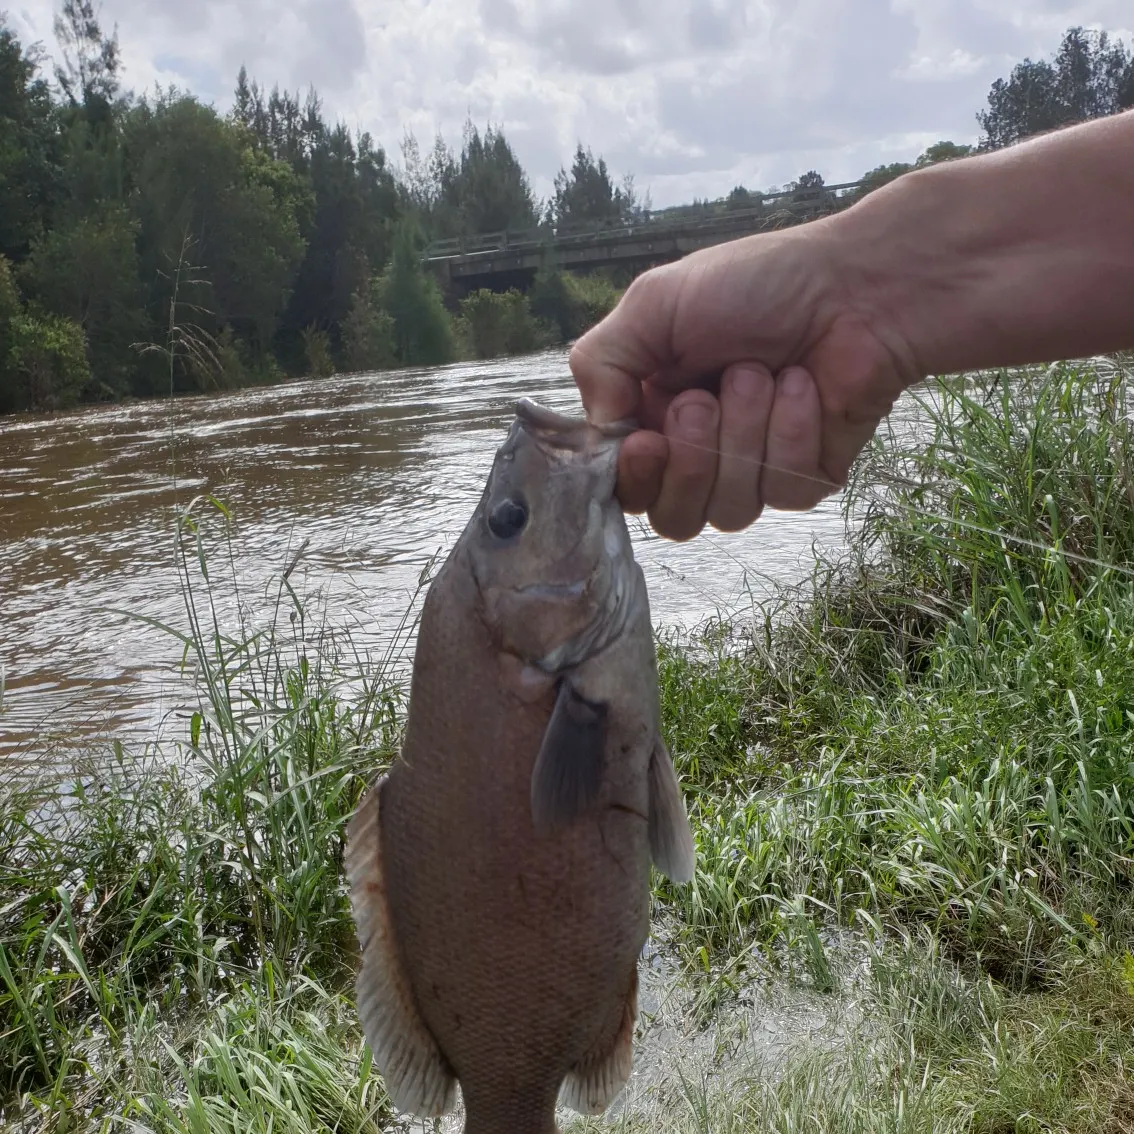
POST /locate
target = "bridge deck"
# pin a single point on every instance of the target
(474, 260)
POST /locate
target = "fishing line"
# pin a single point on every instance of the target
(967, 525)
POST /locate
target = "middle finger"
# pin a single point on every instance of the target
(691, 429)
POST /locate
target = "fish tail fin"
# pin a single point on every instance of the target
(593, 1083)
(417, 1076)
(671, 839)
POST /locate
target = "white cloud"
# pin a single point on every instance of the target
(692, 96)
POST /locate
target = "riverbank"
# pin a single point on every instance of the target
(911, 789)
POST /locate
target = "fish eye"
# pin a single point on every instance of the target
(508, 518)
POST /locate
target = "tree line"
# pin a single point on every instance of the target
(152, 244)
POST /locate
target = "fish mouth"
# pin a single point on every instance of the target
(570, 432)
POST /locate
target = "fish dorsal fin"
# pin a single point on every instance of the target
(671, 840)
(418, 1078)
(594, 1082)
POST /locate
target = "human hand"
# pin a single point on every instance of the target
(757, 371)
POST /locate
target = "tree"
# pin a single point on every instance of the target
(1091, 76)
(809, 191)
(740, 198)
(942, 151)
(89, 71)
(492, 189)
(88, 272)
(30, 151)
(882, 175)
(587, 196)
(198, 177)
(482, 189)
(422, 332)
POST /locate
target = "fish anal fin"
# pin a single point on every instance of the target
(671, 840)
(595, 1081)
(568, 771)
(418, 1078)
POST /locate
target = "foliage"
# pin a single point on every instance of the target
(571, 303)
(928, 741)
(10, 307)
(809, 188)
(1091, 76)
(499, 323)
(938, 734)
(884, 174)
(586, 196)
(291, 217)
(483, 189)
(368, 333)
(317, 348)
(29, 148)
(89, 72)
(942, 151)
(741, 198)
(87, 270)
(171, 931)
(195, 175)
(46, 365)
(423, 335)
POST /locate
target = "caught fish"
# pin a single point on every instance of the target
(499, 871)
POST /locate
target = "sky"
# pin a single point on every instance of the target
(692, 97)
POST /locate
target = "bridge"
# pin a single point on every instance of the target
(499, 260)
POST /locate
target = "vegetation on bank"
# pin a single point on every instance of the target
(282, 243)
(286, 245)
(927, 744)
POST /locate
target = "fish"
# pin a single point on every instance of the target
(499, 869)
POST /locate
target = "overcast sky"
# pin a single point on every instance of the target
(691, 96)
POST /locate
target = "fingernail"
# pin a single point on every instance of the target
(745, 385)
(795, 381)
(694, 417)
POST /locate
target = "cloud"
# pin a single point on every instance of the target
(692, 96)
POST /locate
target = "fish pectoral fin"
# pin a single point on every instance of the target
(671, 840)
(594, 1082)
(568, 770)
(418, 1077)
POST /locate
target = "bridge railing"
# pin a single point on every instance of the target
(799, 203)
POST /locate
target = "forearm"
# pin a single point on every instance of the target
(1022, 255)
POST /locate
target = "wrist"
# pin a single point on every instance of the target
(1018, 256)
(913, 260)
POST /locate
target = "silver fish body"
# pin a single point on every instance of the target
(499, 871)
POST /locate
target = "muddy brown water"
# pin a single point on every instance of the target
(375, 474)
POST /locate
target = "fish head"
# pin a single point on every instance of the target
(548, 543)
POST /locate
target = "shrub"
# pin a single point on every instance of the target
(317, 351)
(572, 303)
(499, 323)
(46, 363)
(368, 335)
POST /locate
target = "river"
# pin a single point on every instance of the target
(375, 473)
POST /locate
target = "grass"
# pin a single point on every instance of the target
(926, 746)
(175, 927)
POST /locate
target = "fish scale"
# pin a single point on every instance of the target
(500, 870)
